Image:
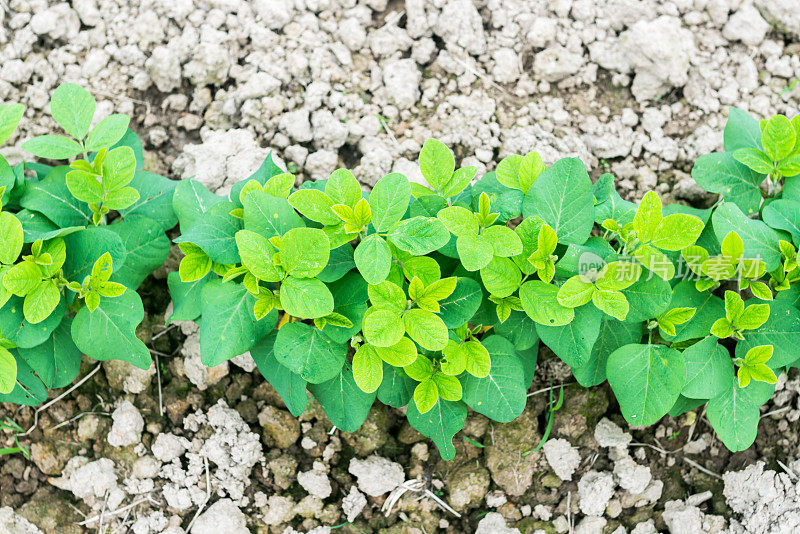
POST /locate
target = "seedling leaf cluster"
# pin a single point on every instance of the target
(432, 296)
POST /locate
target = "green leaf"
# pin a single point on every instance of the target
(10, 115)
(573, 342)
(229, 327)
(73, 107)
(383, 327)
(118, 168)
(341, 262)
(290, 386)
(401, 354)
(11, 238)
(459, 181)
(57, 361)
(439, 424)
(501, 395)
(677, 231)
(709, 308)
(191, 201)
(373, 259)
(760, 241)
(778, 137)
(344, 403)
(22, 278)
(462, 304)
(397, 388)
(304, 252)
(734, 417)
(647, 217)
(146, 249)
(784, 214)
(343, 188)
(612, 303)
(315, 205)
(389, 201)
(8, 372)
(307, 351)
(436, 163)
(307, 298)
(20, 331)
(108, 132)
(388, 295)
(721, 173)
(29, 390)
(426, 329)
(41, 301)
(781, 330)
(186, 301)
(613, 335)
(84, 186)
(562, 196)
(216, 235)
(575, 292)
(52, 198)
(754, 159)
(155, 200)
(647, 381)
(503, 241)
(257, 255)
(269, 215)
(52, 147)
(648, 298)
(419, 235)
(109, 332)
(475, 251)
(350, 300)
(367, 368)
(540, 302)
(501, 277)
(120, 199)
(741, 131)
(709, 369)
(458, 220)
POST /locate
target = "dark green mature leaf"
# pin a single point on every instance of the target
(709, 369)
(784, 215)
(396, 389)
(19, 331)
(741, 131)
(215, 234)
(307, 351)
(191, 201)
(440, 424)
(29, 390)
(501, 395)
(720, 173)
(187, 304)
(519, 329)
(462, 304)
(52, 198)
(37, 226)
(562, 196)
(57, 361)
(343, 401)
(760, 241)
(647, 380)
(573, 342)
(782, 331)
(146, 249)
(648, 298)
(341, 261)
(734, 417)
(709, 308)
(269, 215)
(349, 299)
(290, 386)
(609, 205)
(86, 246)
(229, 327)
(613, 335)
(109, 332)
(155, 199)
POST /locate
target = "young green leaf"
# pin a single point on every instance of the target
(436, 163)
(73, 107)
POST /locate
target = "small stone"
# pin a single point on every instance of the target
(746, 25)
(127, 426)
(631, 476)
(468, 485)
(609, 434)
(595, 489)
(401, 78)
(11, 523)
(562, 457)
(494, 523)
(376, 475)
(315, 481)
(279, 428)
(222, 516)
(556, 63)
(168, 447)
(353, 503)
(122, 375)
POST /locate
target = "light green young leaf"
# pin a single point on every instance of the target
(460, 221)
(501, 277)
(10, 115)
(426, 394)
(401, 354)
(475, 251)
(307, 298)
(52, 147)
(383, 327)
(648, 217)
(389, 201)
(778, 137)
(436, 163)
(426, 329)
(107, 133)
(755, 159)
(367, 368)
(387, 295)
(11, 238)
(118, 168)
(540, 301)
(373, 259)
(304, 252)
(315, 205)
(505, 243)
(343, 188)
(256, 253)
(575, 292)
(85, 186)
(419, 235)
